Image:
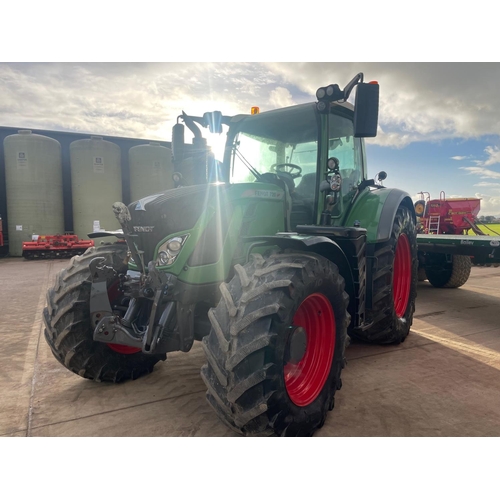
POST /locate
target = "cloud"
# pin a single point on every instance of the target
(394, 139)
(494, 156)
(490, 205)
(280, 97)
(418, 101)
(129, 99)
(483, 172)
(488, 184)
(493, 153)
(458, 158)
(421, 101)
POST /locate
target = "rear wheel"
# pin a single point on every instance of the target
(447, 271)
(69, 330)
(395, 277)
(276, 348)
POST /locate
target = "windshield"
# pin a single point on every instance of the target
(270, 142)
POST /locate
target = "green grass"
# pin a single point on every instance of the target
(493, 229)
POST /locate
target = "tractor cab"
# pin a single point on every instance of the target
(313, 151)
(284, 147)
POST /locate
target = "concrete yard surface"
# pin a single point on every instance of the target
(444, 380)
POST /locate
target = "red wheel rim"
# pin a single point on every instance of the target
(124, 349)
(305, 379)
(114, 294)
(401, 280)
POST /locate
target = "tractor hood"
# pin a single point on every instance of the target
(158, 216)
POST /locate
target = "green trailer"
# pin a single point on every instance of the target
(446, 259)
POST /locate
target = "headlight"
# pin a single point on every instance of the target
(163, 258)
(168, 251)
(174, 246)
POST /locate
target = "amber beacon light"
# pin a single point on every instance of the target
(255, 110)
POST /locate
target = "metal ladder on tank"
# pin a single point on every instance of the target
(434, 221)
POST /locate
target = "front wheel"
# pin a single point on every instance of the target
(276, 348)
(69, 329)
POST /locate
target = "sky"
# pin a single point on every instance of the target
(439, 123)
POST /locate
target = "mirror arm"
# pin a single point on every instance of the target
(225, 120)
(350, 86)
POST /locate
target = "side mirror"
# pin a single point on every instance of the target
(213, 120)
(366, 110)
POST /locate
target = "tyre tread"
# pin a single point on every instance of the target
(260, 291)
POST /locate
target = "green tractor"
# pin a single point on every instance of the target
(271, 258)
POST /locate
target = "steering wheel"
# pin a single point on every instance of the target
(292, 166)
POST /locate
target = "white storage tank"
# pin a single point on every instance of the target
(151, 170)
(96, 183)
(33, 175)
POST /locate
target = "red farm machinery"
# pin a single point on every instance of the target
(55, 247)
(446, 250)
(447, 215)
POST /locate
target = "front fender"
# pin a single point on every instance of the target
(375, 210)
(304, 243)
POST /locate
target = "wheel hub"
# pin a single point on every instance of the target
(311, 349)
(297, 344)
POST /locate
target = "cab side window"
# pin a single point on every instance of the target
(347, 149)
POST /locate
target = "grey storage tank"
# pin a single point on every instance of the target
(96, 183)
(33, 175)
(151, 170)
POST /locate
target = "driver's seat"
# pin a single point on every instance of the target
(301, 211)
(307, 186)
(302, 208)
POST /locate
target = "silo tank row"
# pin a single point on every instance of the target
(96, 183)
(33, 174)
(151, 170)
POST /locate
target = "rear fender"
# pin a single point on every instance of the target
(375, 210)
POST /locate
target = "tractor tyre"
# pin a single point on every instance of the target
(444, 274)
(395, 278)
(276, 348)
(68, 328)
